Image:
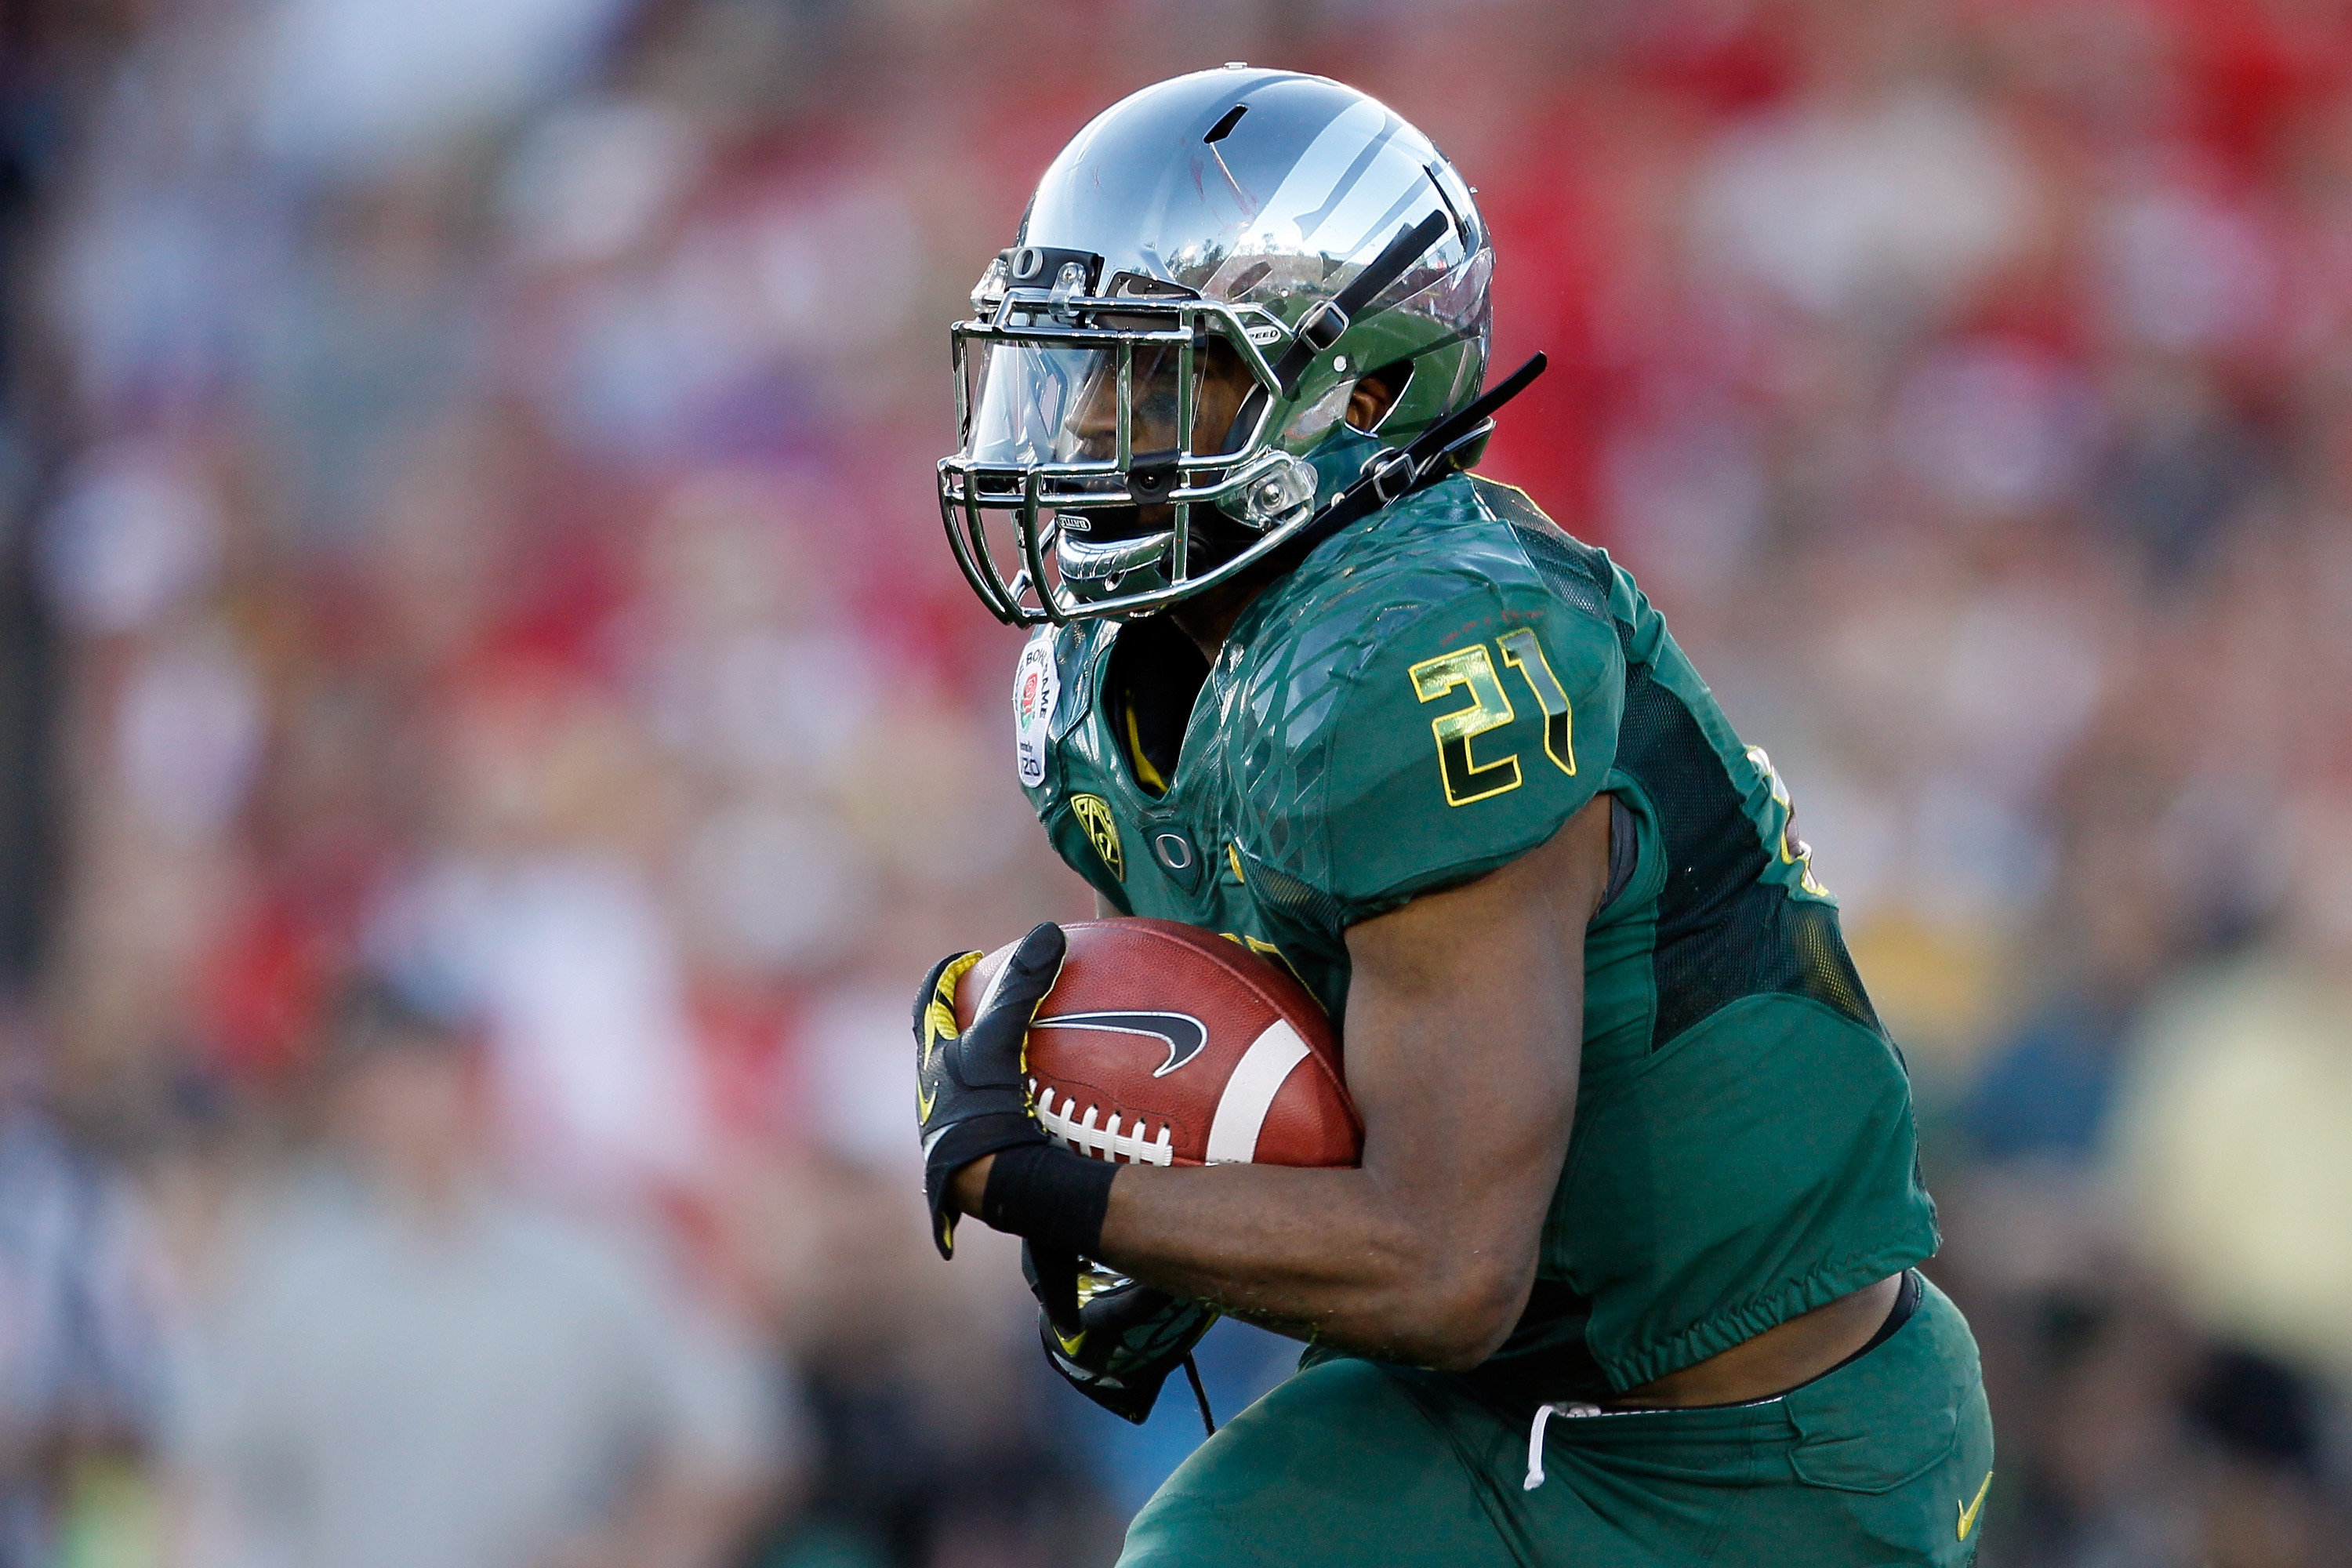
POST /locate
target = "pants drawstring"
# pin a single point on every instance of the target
(1544, 1413)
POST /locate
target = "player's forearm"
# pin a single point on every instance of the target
(1346, 1257)
(1338, 1256)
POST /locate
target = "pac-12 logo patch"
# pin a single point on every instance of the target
(1035, 684)
(1094, 815)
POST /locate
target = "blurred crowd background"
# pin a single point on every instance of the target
(489, 732)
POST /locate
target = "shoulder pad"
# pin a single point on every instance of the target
(1428, 724)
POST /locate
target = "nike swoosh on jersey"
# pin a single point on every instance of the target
(1182, 1034)
(1969, 1510)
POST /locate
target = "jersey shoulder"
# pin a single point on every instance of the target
(1430, 697)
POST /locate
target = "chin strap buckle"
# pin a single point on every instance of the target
(1391, 472)
(1327, 320)
(1324, 325)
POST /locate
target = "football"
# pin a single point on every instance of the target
(1162, 1044)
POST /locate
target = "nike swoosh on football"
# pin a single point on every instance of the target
(1182, 1034)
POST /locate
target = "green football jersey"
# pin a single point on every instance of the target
(1431, 695)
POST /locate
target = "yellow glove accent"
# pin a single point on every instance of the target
(939, 1023)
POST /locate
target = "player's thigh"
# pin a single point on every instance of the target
(1335, 1467)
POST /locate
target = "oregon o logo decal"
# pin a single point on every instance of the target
(1093, 813)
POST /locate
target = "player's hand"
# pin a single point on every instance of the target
(971, 1095)
(1128, 1339)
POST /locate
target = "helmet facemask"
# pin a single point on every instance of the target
(1126, 432)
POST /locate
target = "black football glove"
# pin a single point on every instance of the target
(1129, 1337)
(971, 1097)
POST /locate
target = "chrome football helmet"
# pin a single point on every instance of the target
(1202, 279)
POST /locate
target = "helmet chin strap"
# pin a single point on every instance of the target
(1106, 523)
(1394, 473)
(1389, 476)
(1215, 538)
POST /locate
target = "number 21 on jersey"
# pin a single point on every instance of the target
(1467, 778)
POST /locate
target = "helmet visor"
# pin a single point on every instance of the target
(1036, 401)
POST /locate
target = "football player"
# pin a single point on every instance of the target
(1628, 1272)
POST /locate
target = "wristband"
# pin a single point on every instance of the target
(1049, 1194)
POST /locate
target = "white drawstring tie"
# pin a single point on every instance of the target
(1544, 1413)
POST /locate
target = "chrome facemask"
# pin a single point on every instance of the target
(1078, 409)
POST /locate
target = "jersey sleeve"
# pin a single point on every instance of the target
(1468, 735)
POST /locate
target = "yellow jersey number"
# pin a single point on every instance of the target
(1466, 778)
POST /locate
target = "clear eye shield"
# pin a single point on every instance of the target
(1102, 425)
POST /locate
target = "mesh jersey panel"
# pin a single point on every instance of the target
(1286, 893)
(1723, 933)
(1578, 572)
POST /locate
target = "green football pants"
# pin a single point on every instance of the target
(1886, 1461)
